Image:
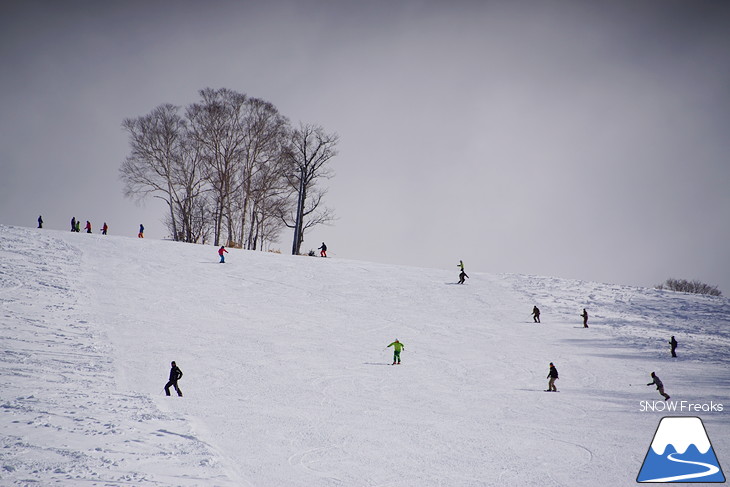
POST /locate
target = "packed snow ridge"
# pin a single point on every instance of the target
(287, 378)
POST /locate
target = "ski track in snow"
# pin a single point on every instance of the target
(282, 380)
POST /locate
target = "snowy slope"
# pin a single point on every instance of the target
(287, 381)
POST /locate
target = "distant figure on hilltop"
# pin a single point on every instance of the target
(462, 276)
(220, 252)
(141, 231)
(553, 376)
(88, 226)
(40, 221)
(104, 229)
(536, 314)
(73, 223)
(659, 385)
(78, 226)
(585, 318)
(397, 347)
(673, 345)
(323, 250)
(175, 375)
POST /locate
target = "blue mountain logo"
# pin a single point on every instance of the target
(681, 452)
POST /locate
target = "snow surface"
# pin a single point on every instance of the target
(287, 379)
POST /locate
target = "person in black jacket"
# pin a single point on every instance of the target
(536, 314)
(323, 250)
(175, 375)
(462, 276)
(673, 344)
(585, 318)
(553, 376)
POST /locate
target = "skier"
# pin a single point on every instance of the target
(462, 275)
(536, 314)
(397, 347)
(141, 231)
(40, 222)
(73, 223)
(585, 318)
(220, 252)
(323, 250)
(88, 226)
(659, 385)
(175, 375)
(104, 229)
(673, 345)
(553, 376)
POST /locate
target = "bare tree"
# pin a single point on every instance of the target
(156, 157)
(216, 125)
(685, 286)
(259, 173)
(310, 149)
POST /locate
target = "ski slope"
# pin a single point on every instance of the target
(287, 379)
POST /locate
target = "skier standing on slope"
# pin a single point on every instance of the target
(397, 347)
(462, 276)
(141, 231)
(323, 250)
(40, 222)
(104, 229)
(673, 345)
(585, 318)
(73, 223)
(175, 375)
(659, 385)
(536, 314)
(220, 252)
(553, 376)
(88, 226)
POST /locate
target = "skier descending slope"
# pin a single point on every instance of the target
(659, 385)
(397, 347)
(553, 376)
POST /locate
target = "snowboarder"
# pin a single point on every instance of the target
(141, 231)
(220, 252)
(175, 375)
(659, 385)
(462, 276)
(553, 376)
(104, 229)
(88, 226)
(585, 318)
(536, 314)
(73, 223)
(78, 226)
(40, 222)
(673, 345)
(397, 347)
(323, 250)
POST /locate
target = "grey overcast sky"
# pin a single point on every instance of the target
(580, 139)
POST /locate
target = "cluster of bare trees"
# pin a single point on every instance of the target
(230, 168)
(685, 286)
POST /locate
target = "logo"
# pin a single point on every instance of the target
(681, 452)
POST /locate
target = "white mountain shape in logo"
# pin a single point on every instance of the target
(680, 432)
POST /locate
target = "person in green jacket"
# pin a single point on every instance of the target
(397, 347)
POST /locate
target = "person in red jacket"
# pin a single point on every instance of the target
(220, 252)
(88, 226)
